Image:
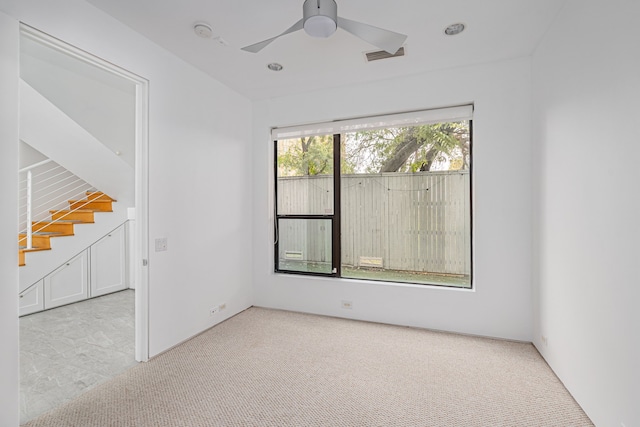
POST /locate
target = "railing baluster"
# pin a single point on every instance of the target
(29, 222)
(45, 189)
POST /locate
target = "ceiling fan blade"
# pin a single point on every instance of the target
(384, 39)
(255, 48)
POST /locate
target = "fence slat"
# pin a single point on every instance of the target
(415, 222)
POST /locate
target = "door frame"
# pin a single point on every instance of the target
(141, 233)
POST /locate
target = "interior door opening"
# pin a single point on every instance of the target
(76, 84)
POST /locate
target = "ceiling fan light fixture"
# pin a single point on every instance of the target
(320, 26)
(320, 17)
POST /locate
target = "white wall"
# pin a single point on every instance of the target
(52, 132)
(9, 364)
(103, 104)
(199, 140)
(500, 304)
(586, 77)
(29, 155)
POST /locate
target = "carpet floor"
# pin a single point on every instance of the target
(276, 368)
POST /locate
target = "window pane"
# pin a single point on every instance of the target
(304, 245)
(405, 204)
(305, 176)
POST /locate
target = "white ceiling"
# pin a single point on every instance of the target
(496, 30)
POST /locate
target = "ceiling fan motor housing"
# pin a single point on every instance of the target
(320, 17)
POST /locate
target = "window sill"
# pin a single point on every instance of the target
(344, 280)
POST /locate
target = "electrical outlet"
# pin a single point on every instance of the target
(348, 305)
(213, 310)
(544, 340)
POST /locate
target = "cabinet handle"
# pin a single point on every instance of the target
(109, 235)
(68, 264)
(21, 296)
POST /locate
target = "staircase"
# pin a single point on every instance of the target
(62, 222)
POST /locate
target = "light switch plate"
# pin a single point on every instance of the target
(161, 244)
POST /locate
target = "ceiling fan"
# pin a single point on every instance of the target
(320, 19)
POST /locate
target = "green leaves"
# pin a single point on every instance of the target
(440, 146)
(410, 149)
(306, 156)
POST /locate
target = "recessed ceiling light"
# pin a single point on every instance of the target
(203, 30)
(454, 29)
(274, 66)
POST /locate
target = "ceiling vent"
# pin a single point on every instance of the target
(381, 54)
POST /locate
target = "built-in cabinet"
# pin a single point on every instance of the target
(32, 299)
(68, 283)
(98, 270)
(109, 263)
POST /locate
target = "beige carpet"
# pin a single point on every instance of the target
(274, 368)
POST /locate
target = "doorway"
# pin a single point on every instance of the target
(79, 66)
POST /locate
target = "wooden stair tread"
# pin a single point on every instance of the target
(24, 249)
(38, 235)
(99, 195)
(81, 215)
(48, 223)
(62, 228)
(94, 205)
(37, 241)
(90, 201)
(67, 210)
(49, 234)
(63, 221)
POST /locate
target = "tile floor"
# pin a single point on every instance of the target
(70, 349)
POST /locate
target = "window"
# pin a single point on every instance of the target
(384, 198)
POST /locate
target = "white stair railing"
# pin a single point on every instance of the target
(45, 186)
(29, 213)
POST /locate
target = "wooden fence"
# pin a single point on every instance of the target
(399, 221)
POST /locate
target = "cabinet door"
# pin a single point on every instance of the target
(31, 300)
(109, 263)
(68, 283)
